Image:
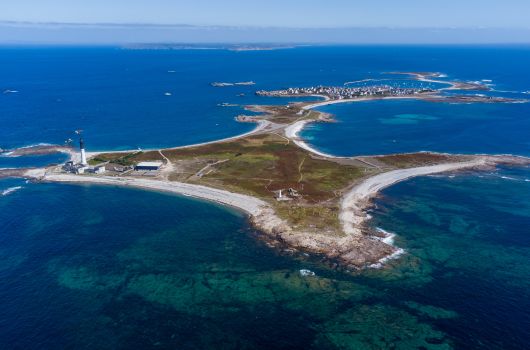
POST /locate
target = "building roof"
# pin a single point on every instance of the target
(149, 164)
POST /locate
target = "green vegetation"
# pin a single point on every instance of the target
(117, 158)
(261, 165)
(264, 164)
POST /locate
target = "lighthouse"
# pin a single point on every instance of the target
(83, 154)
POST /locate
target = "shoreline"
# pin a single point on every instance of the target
(354, 203)
(355, 245)
(248, 204)
(357, 248)
(292, 130)
(261, 126)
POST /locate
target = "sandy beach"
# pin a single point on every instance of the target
(248, 204)
(293, 129)
(353, 248)
(357, 246)
(354, 204)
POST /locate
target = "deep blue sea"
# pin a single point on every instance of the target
(91, 267)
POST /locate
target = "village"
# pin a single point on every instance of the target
(342, 93)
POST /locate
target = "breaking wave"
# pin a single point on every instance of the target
(10, 190)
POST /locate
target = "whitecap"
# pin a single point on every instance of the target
(388, 239)
(389, 236)
(10, 190)
(396, 254)
(305, 273)
(36, 145)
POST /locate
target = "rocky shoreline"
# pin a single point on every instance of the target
(355, 245)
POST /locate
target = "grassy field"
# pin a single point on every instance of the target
(259, 166)
(263, 164)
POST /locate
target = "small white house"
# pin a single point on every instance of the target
(100, 170)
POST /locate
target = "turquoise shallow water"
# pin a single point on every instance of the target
(102, 267)
(398, 126)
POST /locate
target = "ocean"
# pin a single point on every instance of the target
(104, 267)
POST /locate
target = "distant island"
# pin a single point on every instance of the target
(299, 198)
(240, 83)
(229, 47)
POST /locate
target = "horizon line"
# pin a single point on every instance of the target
(202, 26)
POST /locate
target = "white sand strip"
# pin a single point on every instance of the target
(251, 205)
(354, 203)
(291, 132)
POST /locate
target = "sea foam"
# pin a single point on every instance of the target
(388, 239)
(10, 190)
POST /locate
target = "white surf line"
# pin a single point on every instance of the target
(354, 203)
(262, 125)
(248, 204)
(10, 190)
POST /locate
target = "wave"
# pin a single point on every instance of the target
(40, 144)
(388, 239)
(10, 190)
(362, 81)
(389, 236)
(306, 273)
(10, 152)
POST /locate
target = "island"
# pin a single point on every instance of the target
(299, 199)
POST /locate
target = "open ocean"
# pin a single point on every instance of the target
(99, 267)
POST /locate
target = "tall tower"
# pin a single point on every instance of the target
(83, 154)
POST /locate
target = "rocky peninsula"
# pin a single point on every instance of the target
(298, 197)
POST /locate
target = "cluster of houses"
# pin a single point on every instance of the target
(341, 93)
(78, 168)
(143, 168)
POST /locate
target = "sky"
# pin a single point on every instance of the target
(20, 20)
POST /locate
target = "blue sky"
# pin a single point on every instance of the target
(278, 13)
(305, 21)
